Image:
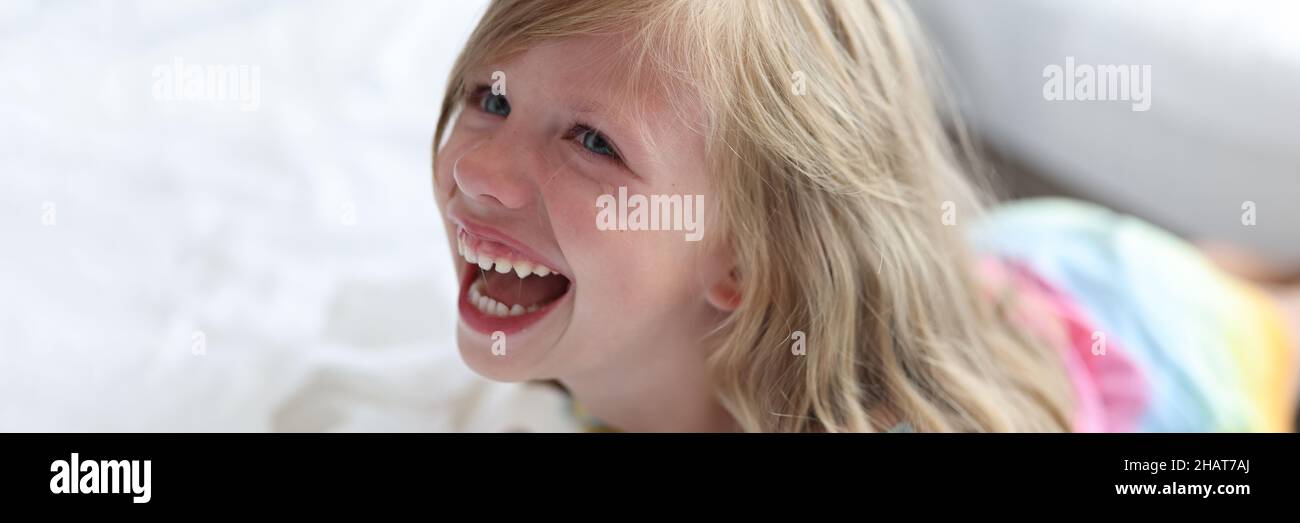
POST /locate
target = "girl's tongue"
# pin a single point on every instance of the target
(533, 290)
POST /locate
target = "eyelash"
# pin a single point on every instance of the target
(576, 130)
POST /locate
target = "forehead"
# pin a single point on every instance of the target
(591, 73)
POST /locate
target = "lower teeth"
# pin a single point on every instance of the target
(492, 307)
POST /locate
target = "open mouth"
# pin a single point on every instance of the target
(504, 289)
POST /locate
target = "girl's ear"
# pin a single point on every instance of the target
(724, 294)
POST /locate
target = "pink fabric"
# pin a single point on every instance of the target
(1109, 391)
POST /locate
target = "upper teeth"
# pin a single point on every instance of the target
(522, 268)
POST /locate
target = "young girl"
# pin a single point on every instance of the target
(846, 279)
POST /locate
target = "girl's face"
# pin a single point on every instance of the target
(545, 292)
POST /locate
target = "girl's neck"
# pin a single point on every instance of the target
(669, 392)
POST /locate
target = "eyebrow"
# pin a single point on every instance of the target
(587, 106)
(473, 77)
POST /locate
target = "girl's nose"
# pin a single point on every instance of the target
(494, 173)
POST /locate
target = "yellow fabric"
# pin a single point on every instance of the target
(1263, 350)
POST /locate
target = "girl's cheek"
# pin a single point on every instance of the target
(571, 223)
(444, 177)
(441, 175)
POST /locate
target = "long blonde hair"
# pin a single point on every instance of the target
(833, 172)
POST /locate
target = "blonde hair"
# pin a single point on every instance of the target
(831, 202)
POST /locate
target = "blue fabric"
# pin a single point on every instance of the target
(1143, 288)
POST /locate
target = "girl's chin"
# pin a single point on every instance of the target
(514, 349)
(502, 359)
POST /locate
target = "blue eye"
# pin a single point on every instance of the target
(495, 104)
(596, 143)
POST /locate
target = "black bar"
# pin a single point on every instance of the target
(321, 471)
